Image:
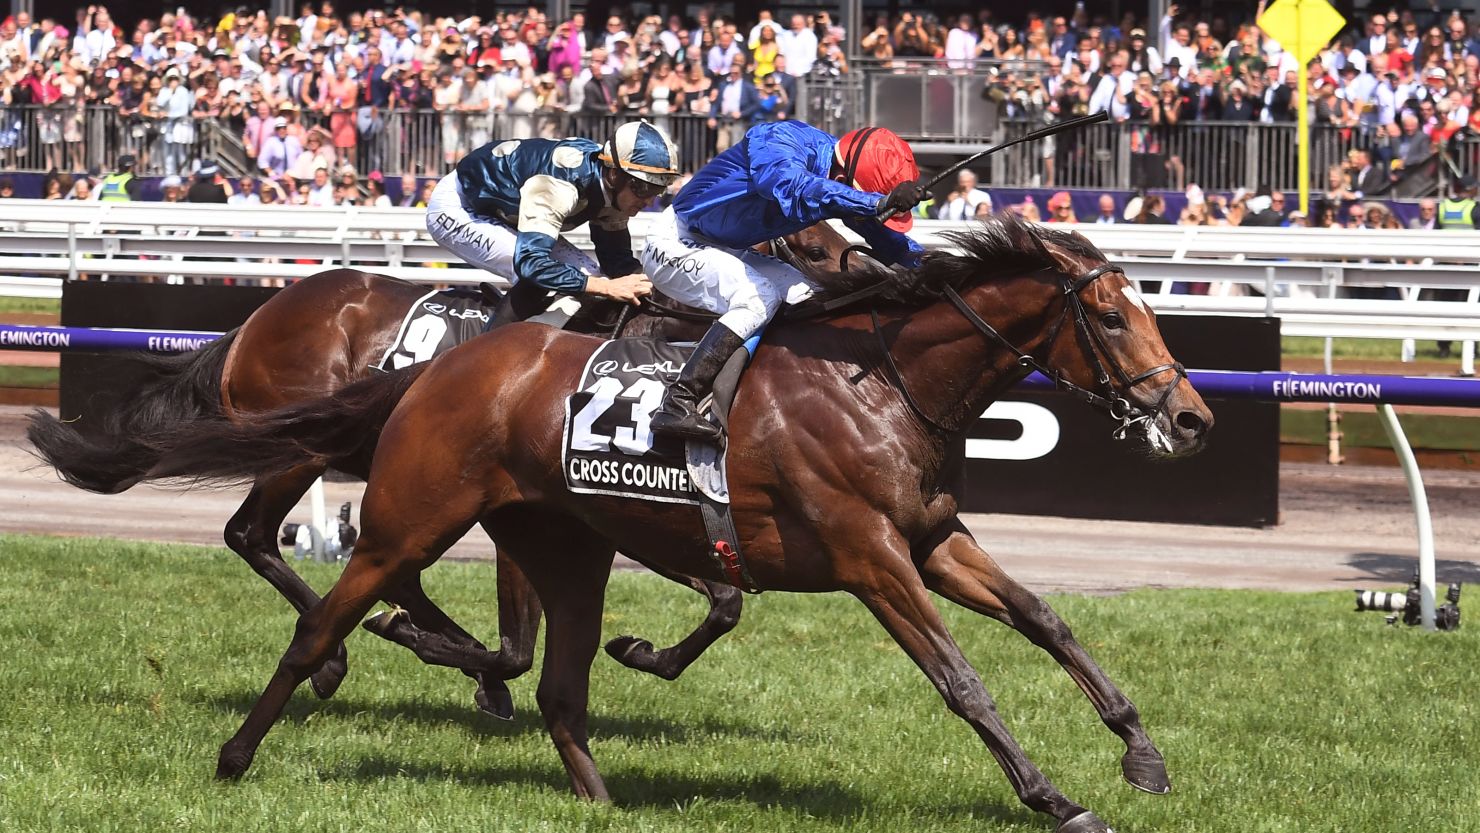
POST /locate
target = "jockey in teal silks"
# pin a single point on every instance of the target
(505, 206)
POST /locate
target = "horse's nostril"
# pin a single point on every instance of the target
(1192, 423)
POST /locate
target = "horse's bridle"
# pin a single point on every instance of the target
(1113, 401)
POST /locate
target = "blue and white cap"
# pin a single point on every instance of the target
(643, 151)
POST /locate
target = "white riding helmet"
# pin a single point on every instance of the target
(643, 151)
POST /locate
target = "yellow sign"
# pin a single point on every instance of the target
(1303, 27)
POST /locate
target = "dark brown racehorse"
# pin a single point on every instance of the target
(842, 477)
(308, 341)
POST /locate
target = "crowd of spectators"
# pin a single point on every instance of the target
(319, 95)
(1401, 83)
(317, 91)
(1338, 208)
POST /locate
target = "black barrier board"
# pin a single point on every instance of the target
(1073, 467)
(92, 383)
(1050, 454)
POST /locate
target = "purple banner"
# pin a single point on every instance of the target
(1279, 386)
(92, 340)
(1267, 386)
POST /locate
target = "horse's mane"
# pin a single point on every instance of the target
(998, 246)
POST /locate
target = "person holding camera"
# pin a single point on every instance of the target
(878, 44)
(772, 103)
(506, 205)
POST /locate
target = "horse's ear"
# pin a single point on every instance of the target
(1088, 245)
(1073, 248)
(1023, 236)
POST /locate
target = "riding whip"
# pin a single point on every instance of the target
(622, 318)
(1052, 129)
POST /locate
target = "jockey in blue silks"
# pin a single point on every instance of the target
(505, 206)
(781, 178)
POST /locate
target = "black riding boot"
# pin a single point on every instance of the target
(680, 415)
(524, 300)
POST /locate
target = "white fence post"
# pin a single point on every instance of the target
(1420, 499)
(320, 514)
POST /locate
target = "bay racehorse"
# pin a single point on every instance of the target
(313, 338)
(844, 449)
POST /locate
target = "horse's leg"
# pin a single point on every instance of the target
(423, 628)
(958, 569)
(385, 557)
(572, 587)
(724, 615)
(898, 598)
(519, 614)
(252, 534)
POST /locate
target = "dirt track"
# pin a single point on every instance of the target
(1341, 528)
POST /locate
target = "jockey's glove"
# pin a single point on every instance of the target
(903, 199)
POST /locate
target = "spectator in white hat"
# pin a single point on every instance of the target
(280, 150)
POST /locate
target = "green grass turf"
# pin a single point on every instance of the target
(9, 304)
(1362, 429)
(1362, 348)
(126, 665)
(21, 376)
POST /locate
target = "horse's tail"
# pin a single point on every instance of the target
(210, 448)
(107, 458)
(342, 426)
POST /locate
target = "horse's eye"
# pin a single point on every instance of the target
(1112, 321)
(816, 253)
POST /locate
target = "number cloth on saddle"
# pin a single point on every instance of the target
(609, 447)
(437, 322)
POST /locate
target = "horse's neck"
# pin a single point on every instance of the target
(952, 370)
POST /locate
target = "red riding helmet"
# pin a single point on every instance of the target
(876, 160)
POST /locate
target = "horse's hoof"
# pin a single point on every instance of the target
(326, 680)
(1085, 822)
(638, 654)
(233, 763)
(631, 652)
(1146, 772)
(493, 698)
(385, 623)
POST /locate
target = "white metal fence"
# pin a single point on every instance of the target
(1300, 275)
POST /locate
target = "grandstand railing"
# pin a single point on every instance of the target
(419, 142)
(1217, 156)
(936, 106)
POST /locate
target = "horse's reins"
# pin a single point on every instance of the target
(1113, 401)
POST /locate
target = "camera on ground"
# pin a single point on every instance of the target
(1407, 606)
(331, 544)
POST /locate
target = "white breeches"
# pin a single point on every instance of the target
(745, 287)
(486, 242)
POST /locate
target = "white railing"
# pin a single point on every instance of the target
(1293, 274)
